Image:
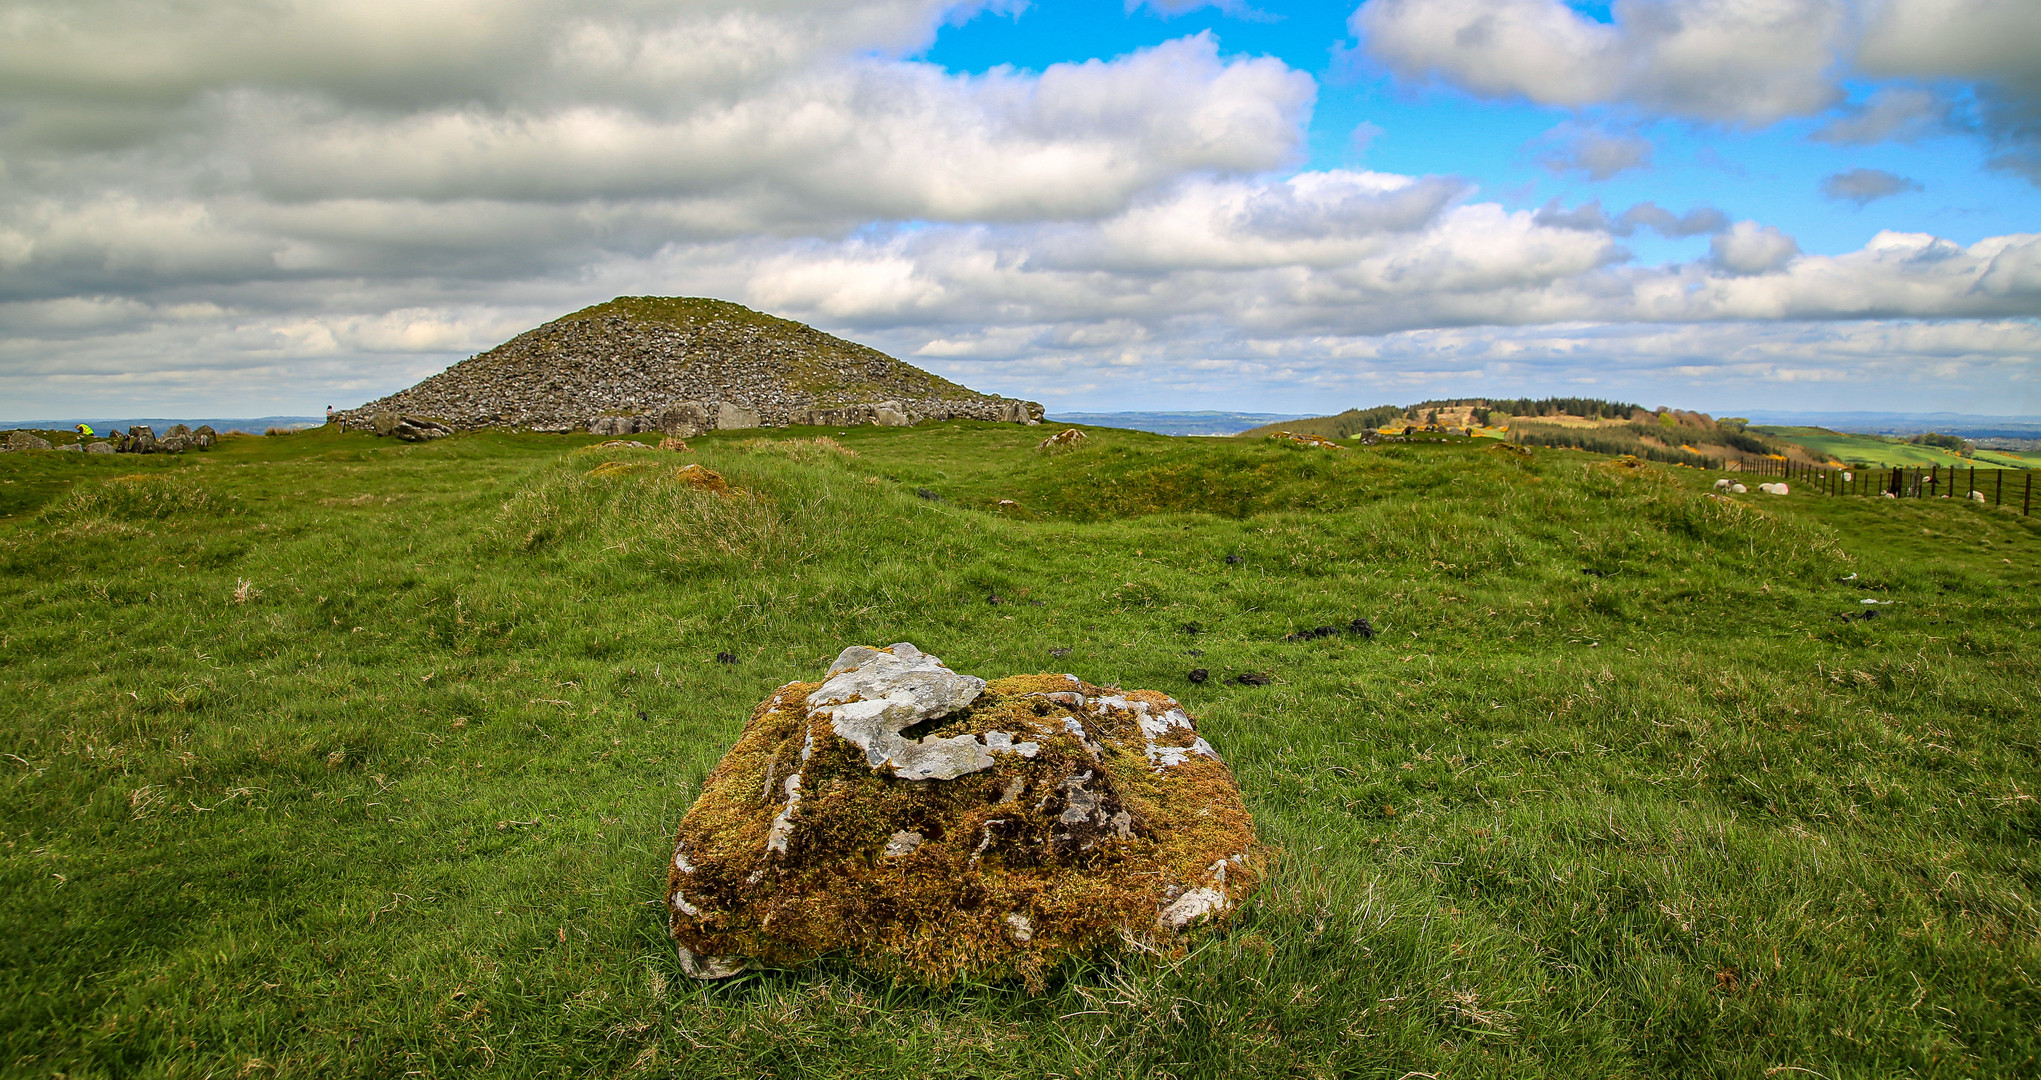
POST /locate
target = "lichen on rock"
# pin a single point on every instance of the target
(931, 825)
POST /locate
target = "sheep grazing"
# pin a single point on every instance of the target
(1722, 484)
(1977, 496)
(1773, 489)
(1738, 489)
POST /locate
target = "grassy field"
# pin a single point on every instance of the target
(329, 755)
(1873, 450)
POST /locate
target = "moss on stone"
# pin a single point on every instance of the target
(1072, 851)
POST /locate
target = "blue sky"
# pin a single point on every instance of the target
(1758, 204)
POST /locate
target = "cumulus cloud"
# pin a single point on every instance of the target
(1862, 186)
(1895, 113)
(1702, 59)
(1599, 154)
(1589, 217)
(340, 199)
(1736, 62)
(1749, 248)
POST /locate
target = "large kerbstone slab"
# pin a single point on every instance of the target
(930, 825)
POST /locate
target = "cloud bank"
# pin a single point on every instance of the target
(320, 202)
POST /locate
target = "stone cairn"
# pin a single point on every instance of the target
(929, 825)
(679, 367)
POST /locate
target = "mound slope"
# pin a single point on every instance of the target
(639, 358)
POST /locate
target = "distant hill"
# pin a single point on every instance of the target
(638, 356)
(249, 425)
(1174, 423)
(1609, 427)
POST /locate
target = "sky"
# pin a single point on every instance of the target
(256, 207)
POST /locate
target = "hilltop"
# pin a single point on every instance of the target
(637, 357)
(1675, 436)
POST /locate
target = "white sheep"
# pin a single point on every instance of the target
(1977, 496)
(1722, 484)
(1738, 489)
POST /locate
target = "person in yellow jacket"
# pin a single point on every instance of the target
(85, 430)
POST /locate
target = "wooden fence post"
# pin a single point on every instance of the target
(1998, 497)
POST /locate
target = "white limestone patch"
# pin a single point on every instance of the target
(872, 695)
(1189, 908)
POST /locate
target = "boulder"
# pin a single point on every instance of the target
(26, 440)
(891, 414)
(731, 416)
(69, 448)
(1064, 438)
(205, 438)
(99, 448)
(419, 429)
(172, 444)
(686, 419)
(930, 826)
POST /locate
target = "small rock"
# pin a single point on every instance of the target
(704, 479)
(1198, 675)
(99, 448)
(1234, 560)
(1006, 504)
(1059, 653)
(927, 494)
(1252, 678)
(726, 658)
(1314, 442)
(1361, 628)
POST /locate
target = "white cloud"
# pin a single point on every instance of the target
(1736, 61)
(1748, 248)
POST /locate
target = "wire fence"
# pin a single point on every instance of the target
(1993, 487)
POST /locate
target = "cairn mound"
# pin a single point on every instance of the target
(930, 825)
(680, 365)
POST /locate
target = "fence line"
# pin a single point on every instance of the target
(1904, 481)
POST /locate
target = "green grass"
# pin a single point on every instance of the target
(328, 755)
(1874, 450)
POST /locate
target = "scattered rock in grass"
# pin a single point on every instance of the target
(1059, 653)
(1361, 628)
(1252, 678)
(99, 448)
(1198, 675)
(1314, 442)
(932, 826)
(1065, 438)
(1235, 560)
(26, 440)
(1006, 504)
(726, 658)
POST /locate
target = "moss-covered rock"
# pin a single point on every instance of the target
(930, 825)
